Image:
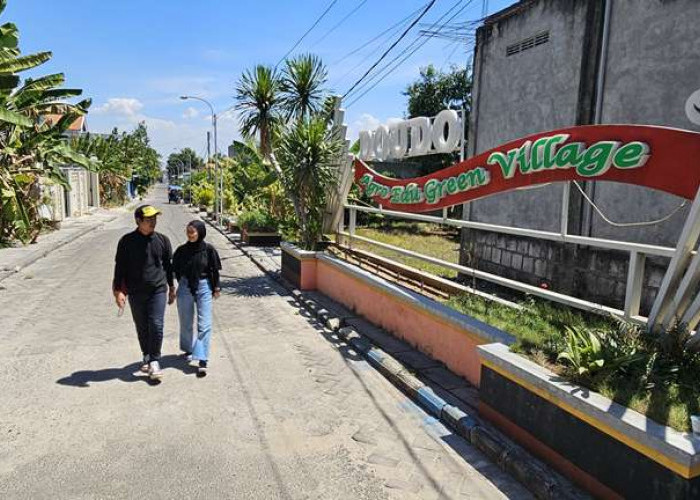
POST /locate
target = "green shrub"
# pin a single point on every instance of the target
(257, 220)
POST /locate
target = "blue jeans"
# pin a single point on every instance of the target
(198, 345)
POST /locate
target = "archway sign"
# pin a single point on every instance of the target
(656, 157)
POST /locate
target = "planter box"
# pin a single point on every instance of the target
(299, 266)
(435, 329)
(261, 239)
(612, 451)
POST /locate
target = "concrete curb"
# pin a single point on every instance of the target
(35, 256)
(510, 458)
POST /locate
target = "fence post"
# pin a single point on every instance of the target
(635, 279)
(351, 228)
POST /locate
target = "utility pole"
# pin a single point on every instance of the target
(208, 155)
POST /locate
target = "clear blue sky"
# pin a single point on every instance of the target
(134, 58)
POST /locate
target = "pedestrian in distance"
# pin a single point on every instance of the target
(143, 274)
(196, 265)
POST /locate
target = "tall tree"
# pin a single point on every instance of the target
(186, 158)
(258, 101)
(435, 91)
(302, 86)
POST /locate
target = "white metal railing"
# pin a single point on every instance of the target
(635, 275)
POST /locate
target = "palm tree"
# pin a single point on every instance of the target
(302, 84)
(257, 94)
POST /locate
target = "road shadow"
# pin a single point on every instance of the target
(127, 373)
(256, 286)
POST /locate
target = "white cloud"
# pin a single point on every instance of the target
(190, 113)
(165, 134)
(367, 121)
(124, 106)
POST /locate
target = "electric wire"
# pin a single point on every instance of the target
(318, 20)
(339, 23)
(390, 28)
(393, 68)
(628, 224)
(386, 52)
(390, 31)
(416, 41)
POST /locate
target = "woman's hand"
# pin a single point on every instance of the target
(171, 294)
(217, 293)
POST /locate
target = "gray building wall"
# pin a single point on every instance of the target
(652, 68)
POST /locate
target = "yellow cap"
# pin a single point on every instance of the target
(147, 211)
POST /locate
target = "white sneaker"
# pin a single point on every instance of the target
(144, 365)
(154, 371)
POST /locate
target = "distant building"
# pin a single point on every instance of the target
(84, 189)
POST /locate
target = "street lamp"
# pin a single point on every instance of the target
(218, 177)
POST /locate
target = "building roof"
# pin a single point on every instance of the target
(78, 125)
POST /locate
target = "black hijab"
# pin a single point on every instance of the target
(193, 261)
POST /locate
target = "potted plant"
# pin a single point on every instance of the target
(258, 228)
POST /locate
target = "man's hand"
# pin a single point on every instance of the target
(120, 298)
(217, 292)
(171, 294)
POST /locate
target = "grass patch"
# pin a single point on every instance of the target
(424, 238)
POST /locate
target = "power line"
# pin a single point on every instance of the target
(391, 31)
(390, 28)
(391, 70)
(318, 20)
(425, 11)
(416, 40)
(340, 22)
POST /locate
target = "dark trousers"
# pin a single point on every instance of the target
(148, 311)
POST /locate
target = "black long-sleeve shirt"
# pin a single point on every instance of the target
(210, 271)
(143, 263)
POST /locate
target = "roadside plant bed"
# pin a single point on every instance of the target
(654, 375)
(299, 266)
(610, 450)
(258, 228)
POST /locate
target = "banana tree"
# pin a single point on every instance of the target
(31, 148)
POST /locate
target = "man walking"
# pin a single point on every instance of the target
(143, 273)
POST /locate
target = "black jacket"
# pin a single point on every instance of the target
(143, 263)
(211, 267)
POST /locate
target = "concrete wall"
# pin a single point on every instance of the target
(653, 67)
(531, 91)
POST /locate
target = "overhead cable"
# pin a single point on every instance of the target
(318, 20)
(339, 23)
(390, 28)
(416, 41)
(393, 68)
(386, 52)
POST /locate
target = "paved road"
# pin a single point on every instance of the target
(286, 412)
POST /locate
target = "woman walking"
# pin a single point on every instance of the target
(196, 265)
